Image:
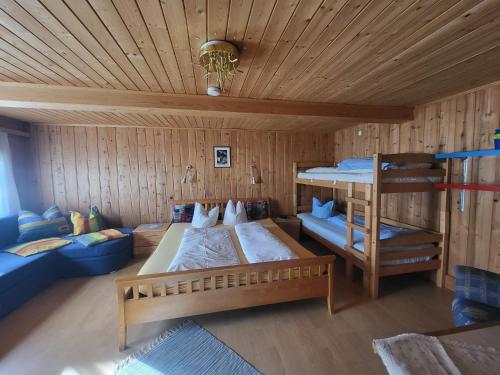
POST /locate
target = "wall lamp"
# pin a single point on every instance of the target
(187, 173)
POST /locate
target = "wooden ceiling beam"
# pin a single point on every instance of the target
(35, 96)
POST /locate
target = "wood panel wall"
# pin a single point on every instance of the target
(129, 173)
(463, 122)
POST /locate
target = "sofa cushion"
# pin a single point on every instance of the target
(467, 312)
(33, 227)
(8, 231)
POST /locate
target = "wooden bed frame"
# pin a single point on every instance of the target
(368, 197)
(172, 295)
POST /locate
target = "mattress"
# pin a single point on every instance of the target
(364, 176)
(334, 231)
(161, 259)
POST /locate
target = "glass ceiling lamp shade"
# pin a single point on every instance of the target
(220, 60)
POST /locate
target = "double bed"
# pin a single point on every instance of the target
(155, 294)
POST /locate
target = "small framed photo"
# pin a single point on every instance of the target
(222, 157)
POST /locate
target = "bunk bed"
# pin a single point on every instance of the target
(155, 294)
(412, 249)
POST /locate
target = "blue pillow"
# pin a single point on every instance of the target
(34, 227)
(358, 163)
(322, 211)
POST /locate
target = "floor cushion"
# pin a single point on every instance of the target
(467, 312)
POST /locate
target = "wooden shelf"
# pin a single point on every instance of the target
(467, 154)
(495, 188)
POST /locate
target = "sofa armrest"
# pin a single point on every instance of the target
(477, 285)
(8, 231)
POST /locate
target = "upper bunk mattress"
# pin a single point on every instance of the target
(364, 176)
(335, 230)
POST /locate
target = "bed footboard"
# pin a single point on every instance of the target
(171, 295)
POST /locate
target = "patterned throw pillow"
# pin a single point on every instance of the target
(82, 224)
(182, 213)
(257, 210)
(39, 246)
(33, 227)
(95, 238)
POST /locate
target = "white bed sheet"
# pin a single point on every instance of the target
(260, 245)
(335, 232)
(204, 248)
(364, 176)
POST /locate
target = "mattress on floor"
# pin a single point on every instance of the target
(334, 231)
(363, 176)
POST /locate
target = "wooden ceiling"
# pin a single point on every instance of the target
(379, 52)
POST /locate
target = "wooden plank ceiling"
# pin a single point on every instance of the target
(379, 52)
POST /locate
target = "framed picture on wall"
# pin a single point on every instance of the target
(222, 157)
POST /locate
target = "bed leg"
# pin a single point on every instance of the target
(348, 268)
(366, 282)
(122, 338)
(329, 300)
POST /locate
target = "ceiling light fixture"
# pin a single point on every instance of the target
(219, 59)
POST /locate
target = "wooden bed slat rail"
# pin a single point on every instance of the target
(396, 255)
(413, 239)
(410, 157)
(388, 188)
(397, 173)
(409, 268)
(178, 294)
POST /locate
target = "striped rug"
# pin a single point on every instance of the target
(186, 349)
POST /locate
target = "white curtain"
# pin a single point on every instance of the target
(9, 198)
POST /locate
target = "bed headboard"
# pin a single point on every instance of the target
(212, 202)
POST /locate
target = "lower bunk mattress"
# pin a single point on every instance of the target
(334, 230)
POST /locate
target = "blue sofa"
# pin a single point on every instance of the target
(22, 277)
(477, 296)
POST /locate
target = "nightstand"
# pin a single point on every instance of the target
(290, 225)
(147, 237)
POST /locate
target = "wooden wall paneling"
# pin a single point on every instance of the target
(124, 174)
(130, 173)
(107, 174)
(70, 173)
(93, 165)
(143, 175)
(57, 167)
(134, 174)
(151, 173)
(159, 199)
(199, 165)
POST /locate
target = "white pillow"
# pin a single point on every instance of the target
(233, 216)
(203, 220)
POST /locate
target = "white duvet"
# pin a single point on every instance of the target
(260, 245)
(204, 248)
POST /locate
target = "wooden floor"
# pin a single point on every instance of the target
(70, 328)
